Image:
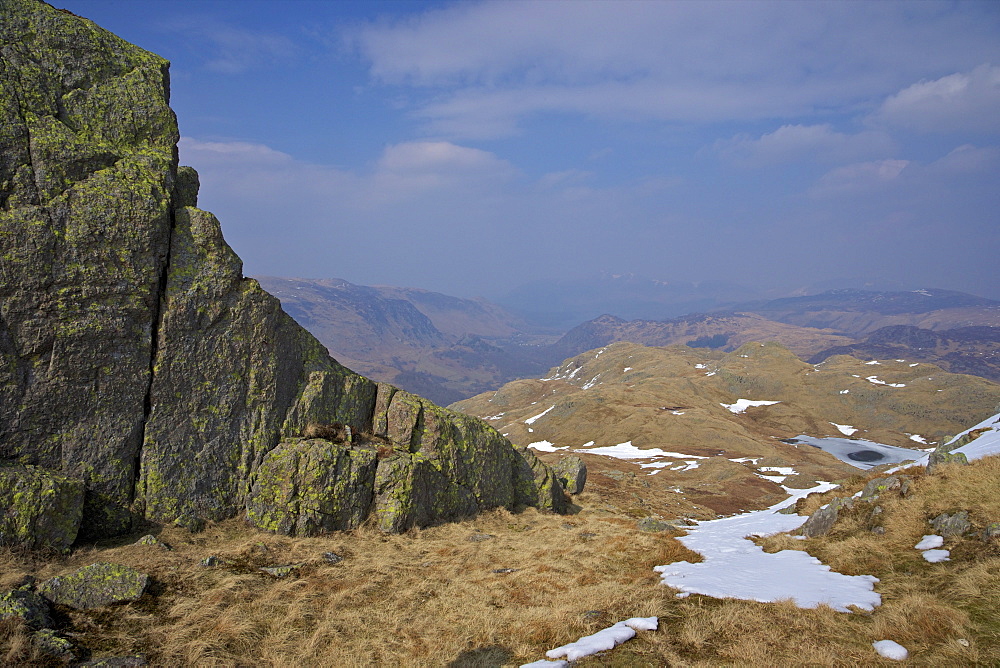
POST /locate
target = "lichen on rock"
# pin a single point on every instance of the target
(39, 508)
(95, 586)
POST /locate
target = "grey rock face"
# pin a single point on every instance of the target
(95, 586)
(137, 359)
(572, 473)
(312, 486)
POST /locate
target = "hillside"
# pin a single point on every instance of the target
(971, 350)
(858, 313)
(435, 345)
(722, 331)
(676, 411)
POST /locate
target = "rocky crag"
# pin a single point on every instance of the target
(141, 374)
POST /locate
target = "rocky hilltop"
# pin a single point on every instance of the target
(141, 374)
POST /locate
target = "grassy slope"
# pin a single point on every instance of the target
(432, 598)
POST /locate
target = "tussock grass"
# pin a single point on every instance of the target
(503, 588)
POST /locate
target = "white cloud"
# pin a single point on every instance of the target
(960, 101)
(861, 176)
(791, 143)
(487, 66)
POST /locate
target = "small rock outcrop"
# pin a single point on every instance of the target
(142, 376)
(571, 473)
(95, 586)
(955, 524)
(943, 455)
(821, 522)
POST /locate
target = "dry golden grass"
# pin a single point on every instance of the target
(434, 597)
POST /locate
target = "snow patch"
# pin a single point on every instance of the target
(603, 640)
(531, 420)
(928, 542)
(742, 404)
(545, 446)
(844, 429)
(735, 567)
(918, 438)
(936, 556)
(890, 649)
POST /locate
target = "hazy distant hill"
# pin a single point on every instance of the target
(566, 303)
(448, 348)
(680, 401)
(972, 350)
(442, 347)
(858, 313)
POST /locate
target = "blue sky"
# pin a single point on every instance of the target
(475, 146)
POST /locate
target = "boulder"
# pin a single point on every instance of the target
(27, 605)
(53, 646)
(654, 525)
(943, 455)
(305, 487)
(40, 508)
(137, 358)
(95, 586)
(571, 473)
(956, 524)
(821, 522)
(878, 486)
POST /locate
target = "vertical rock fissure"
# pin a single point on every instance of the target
(156, 320)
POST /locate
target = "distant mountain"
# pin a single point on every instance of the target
(971, 350)
(563, 304)
(449, 348)
(441, 347)
(857, 313)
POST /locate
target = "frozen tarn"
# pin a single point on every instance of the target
(742, 404)
(603, 640)
(859, 452)
(890, 649)
(844, 429)
(532, 419)
(735, 567)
